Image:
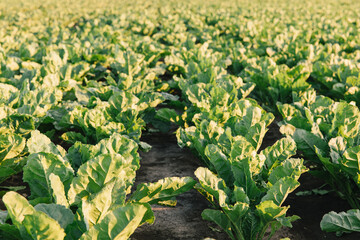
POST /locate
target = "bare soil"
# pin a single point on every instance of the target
(167, 159)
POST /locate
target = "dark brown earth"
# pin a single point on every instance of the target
(167, 159)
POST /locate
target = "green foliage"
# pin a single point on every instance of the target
(82, 206)
(246, 188)
(343, 222)
(79, 85)
(328, 133)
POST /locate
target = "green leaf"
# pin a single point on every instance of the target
(39, 142)
(112, 195)
(38, 169)
(149, 100)
(117, 144)
(341, 222)
(350, 163)
(198, 96)
(60, 213)
(243, 177)
(18, 207)
(236, 214)
(241, 148)
(21, 124)
(286, 221)
(9, 232)
(280, 190)
(167, 115)
(11, 145)
(346, 120)
(306, 142)
(269, 211)
(212, 185)
(220, 162)
(239, 195)
(120, 223)
(58, 192)
(219, 218)
(279, 152)
(77, 228)
(72, 137)
(162, 190)
(95, 173)
(41, 226)
(255, 134)
(337, 148)
(292, 167)
(122, 101)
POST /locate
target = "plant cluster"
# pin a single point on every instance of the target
(81, 81)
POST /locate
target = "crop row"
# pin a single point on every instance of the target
(78, 87)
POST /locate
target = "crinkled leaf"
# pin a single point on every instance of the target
(41, 226)
(60, 213)
(346, 120)
(38, 169)
(337, 148)
(58, 191)
(292, 167)
(220, 162)
(112, 195)
(341, 222)
(39, 142)
(17, 207)
(306, 142)
(241, 148)
(117, 144)
(122, 101)
(350, 162)
(280, 190)
(162, 190)
(237, 212)
(120, 223)
(11, 145)
(243, 177)
(279, 152)
(22, 124)
(212, 185)
(255, 134)
(95, 173)
(269, 211)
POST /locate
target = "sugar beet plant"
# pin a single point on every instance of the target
(327, 132)
(246, 188)
(95, 72)
(226, 130)
(88, 202)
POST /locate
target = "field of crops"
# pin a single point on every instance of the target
(179, 119)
